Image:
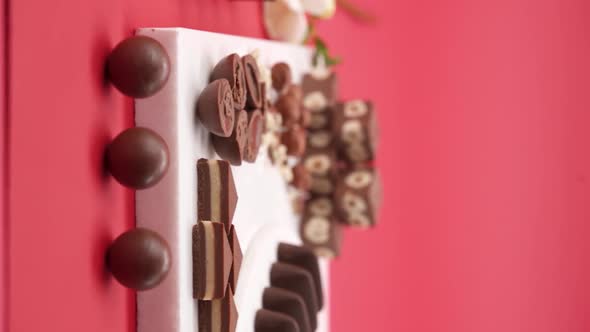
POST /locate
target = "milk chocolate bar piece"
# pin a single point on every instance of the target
(305, 258)
(299, 281)
(355, 131)
(357, 197)
(271, 321)
(232, 70)
(252, 75)
(254, 135)
(216, 192)
(236, 250)
(322, 234)
(218, 315)
(212, 260)
(215, 108)
(232, 148)
(319, 91)
(288, 303)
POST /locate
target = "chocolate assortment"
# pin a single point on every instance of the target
(138, 66)
(139, 259)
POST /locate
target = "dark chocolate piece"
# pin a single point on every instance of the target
(220, 315)
(252, 75)
(215, 108)
(357, 197)
(237, 258)
(319, 92)
(271, 321)
(295, 139)
(304, 258)
(139, 259)
(301, 178)
(281, 76)
(321, 233)
(297, 280)
(138, 158)
(216, 193)
(254, 136)
(232, 70)
(290, 109)
(212, 260)
(138, 66)
(288, 303)
(355, 131)
(232, 148)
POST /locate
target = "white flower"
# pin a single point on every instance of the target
(286, 20)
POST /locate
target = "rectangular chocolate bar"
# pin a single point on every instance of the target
(358, 196)
(320, 90)
(217, 197)
(319, 228)
(220, 315)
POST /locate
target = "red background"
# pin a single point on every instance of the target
(483, 107)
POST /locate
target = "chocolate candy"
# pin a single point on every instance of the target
(295, 140)
(138, 66)
(254, 135)
(319, 92)
(299, 281)
(304, 258)
(216, 193)
(232, 148)
(319, 230)
(139, 259)
(271, 321)
(236, 250)
(358, 196)
(215, 108)
(301, 178)
(212, 260)
(231, 69)
(294, 91)
(290, 109)
(220, 315)
(320, 120)
(355, 131)
(321, 139)
(137, 158)
(288, 303)
(252, 75)
(281, 76)
(321, 164)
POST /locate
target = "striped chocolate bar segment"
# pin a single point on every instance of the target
(218, 315)
(217, 197)
(212, 260)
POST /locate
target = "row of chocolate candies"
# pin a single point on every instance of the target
(355, 132)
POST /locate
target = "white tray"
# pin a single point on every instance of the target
(263, 217)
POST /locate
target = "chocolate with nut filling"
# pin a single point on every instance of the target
(212, 260)
(288, 303)
(252, 75)
(357, 197)
(297, 280)
(254, 135)
(271, 321)
(220, 315)
(304, 258)
(216, 192)
(215, 108)
(319, 92)
(319, 229)
(355, 131)
(237, 258)
(232, 148)
(231, 69)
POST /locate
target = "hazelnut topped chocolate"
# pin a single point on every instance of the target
(231, 69)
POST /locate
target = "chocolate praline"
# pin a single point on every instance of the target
(252, 76)
(254, 136)
(137, 158)
(215, 108)
(138, 66)
(139, 259)
(232, 148)
(290, 109)
(231, 69)
(281, 76)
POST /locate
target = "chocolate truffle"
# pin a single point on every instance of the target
(254, 136)
(137, 158)
(138, 66)
(304, 258)
(252, 75)
(295, 140)
(219, 315)
(271, 321)
(281, 76)
(288, 303)
(216, 191)
(237, 258)
(215, 108)
(139, 259)
(212, 260)
(231, 69)
(290, 109)
(232, 148)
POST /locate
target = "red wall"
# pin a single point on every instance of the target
(484, 111)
